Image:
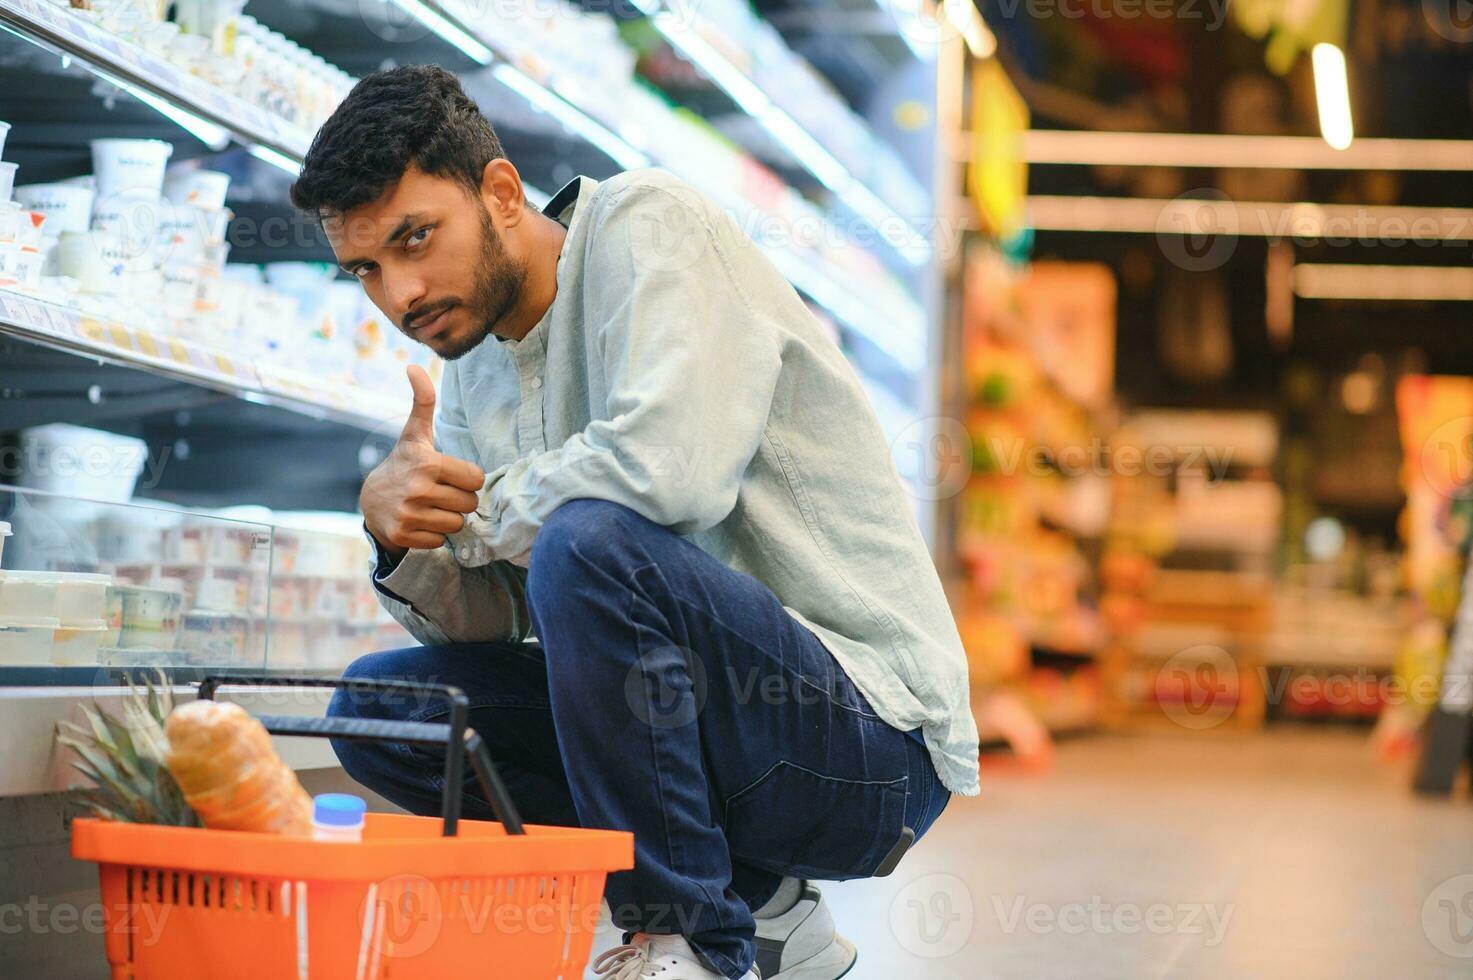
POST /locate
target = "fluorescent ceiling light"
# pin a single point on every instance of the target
(1261, 219)
(276, 158)
(571, 116)
(810, 154)
(453, 33)
(1089, 148)
(1332, 92)
(1383, 282)
(211, 134)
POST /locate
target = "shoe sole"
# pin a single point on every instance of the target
(836, 960)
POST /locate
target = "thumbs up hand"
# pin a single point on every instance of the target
(418, 495)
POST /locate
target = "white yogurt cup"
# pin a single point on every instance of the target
(204, 189)
(7, 179)
(68, 207)
(125, 165)
(5, 532)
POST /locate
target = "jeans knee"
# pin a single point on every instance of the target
(355, 757)
(581, 534)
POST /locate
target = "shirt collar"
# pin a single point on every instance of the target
(564, 204)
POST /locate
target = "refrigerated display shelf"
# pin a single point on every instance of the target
(778, 116)
(148, 75)
(810, 273)
(131, 345)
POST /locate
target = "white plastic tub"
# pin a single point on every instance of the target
(77, 645)
(204, 189)
(213, 639)
(125, 165)
(26, 595)
(150, 617)
(26, 641)
(7, 179)
(68, 207)
(81, 462)
(81, 597)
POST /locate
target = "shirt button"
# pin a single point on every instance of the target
(535, 384)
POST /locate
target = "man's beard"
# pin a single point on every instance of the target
(497, 289)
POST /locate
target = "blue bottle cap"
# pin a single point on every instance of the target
(338, 810)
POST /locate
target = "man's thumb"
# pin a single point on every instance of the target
(420, 426)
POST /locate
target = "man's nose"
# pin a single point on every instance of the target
(402, 290)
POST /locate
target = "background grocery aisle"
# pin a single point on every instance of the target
(1163, 308)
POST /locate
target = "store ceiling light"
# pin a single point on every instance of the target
(1332, 93)
(470, 45)
(276, 158)
(627, 156)
(213, 135)
(1089, 148)
(1383, 282)
(810, 154)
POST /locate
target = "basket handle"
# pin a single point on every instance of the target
(458, 740)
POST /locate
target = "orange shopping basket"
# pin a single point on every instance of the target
(420, 897)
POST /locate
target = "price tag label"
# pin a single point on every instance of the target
(91, 329)
(34, 314)
(62, 321)
(121, 336)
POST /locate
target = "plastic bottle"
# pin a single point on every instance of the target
(338, 817)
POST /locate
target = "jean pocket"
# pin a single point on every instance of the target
(794, 821)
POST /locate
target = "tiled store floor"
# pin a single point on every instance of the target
(1291, 854)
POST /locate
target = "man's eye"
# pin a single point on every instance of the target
(362, 271)
(418, 238)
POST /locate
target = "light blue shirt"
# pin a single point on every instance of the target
(679, 374)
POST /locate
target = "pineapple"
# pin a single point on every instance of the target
(205, 763)
(124, 759)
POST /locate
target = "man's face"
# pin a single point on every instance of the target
(430, 257)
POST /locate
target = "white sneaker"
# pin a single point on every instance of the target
(801, 943)
(666, 957)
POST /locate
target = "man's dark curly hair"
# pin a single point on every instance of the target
(411, 115)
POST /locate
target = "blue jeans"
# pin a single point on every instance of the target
(675, 698)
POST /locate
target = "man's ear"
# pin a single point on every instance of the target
(502, 192)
